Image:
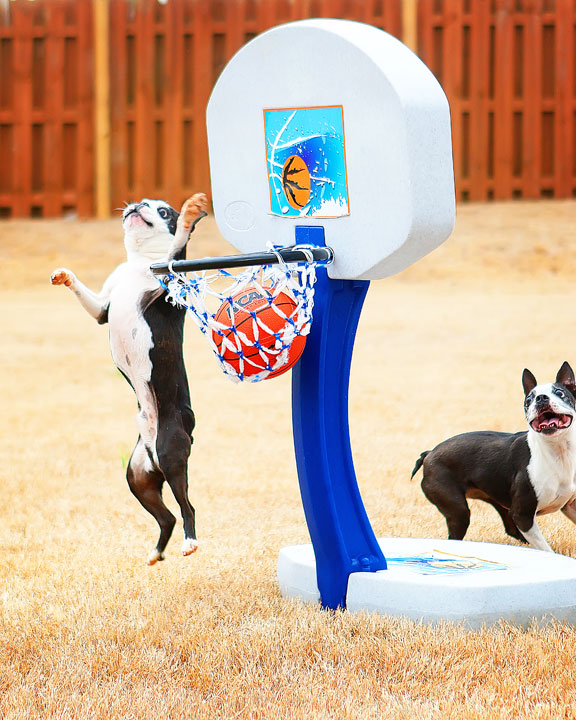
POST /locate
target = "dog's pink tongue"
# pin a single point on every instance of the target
(552, 422)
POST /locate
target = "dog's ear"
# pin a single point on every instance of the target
(566, 377)
(528, 381)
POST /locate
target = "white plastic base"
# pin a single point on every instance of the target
(533, 585)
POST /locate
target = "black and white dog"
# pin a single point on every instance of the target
(146, 335)
(522, 475)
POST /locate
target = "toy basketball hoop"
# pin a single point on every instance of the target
(254, 319)
(346, 151)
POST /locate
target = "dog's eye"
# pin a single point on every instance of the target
(560, 393)
(163, 213)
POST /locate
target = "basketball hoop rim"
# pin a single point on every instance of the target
(295, 254)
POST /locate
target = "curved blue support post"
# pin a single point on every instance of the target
(341, 534)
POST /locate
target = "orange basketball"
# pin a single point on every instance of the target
(245, 303)
(296, 181)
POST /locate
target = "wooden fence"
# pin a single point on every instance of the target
(166, 59)
(508, 69)
(507, 66)
(46, 109)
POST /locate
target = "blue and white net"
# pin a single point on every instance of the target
(203, 293)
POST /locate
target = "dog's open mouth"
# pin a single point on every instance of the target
(549, 422)
(136, 212)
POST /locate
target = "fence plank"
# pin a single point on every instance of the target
(22, 24)
(203, 79)
(102, 109)
(503, 105)
(120, 116)
(529, 112)
(565, 19)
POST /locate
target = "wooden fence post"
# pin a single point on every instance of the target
(410, 24)
(102, 108)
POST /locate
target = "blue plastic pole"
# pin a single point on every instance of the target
(341, 534)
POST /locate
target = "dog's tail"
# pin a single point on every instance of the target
(419, 463)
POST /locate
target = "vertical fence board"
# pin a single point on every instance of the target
(203, 81)
(479, 92)
(530, 110)
(502, 81)
(120, 115)
(452, 42)
(52, 108)
(22, 23)
(564, 83)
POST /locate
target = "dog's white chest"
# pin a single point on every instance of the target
(552, 471)
(130, 336)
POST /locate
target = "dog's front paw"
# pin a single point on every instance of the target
(193, 209)
(189, 546)
(62, 276)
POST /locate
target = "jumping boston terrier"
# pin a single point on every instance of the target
(146, 334)
(522, 475)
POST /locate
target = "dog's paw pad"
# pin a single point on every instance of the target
(189, 546)
(154, 557)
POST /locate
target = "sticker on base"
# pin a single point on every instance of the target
(439, 563)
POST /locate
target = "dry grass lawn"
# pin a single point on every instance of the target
(87, 630)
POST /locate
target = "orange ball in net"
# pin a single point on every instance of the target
(255, 300)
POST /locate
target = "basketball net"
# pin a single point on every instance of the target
(203, 293)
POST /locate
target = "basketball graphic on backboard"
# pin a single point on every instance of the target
(305, 153)
(296, 182)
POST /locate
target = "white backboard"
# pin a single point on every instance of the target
(332, 123)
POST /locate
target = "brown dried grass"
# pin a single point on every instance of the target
(88, 631)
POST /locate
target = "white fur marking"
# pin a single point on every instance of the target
(131, 342)
(142, 241)
(189, 546)
(154, 556)
(552, 466)
(536, 539)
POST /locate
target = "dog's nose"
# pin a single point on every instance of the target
(542, 400)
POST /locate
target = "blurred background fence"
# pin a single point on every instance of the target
(103, 101)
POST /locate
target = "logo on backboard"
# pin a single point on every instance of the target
(306, 162)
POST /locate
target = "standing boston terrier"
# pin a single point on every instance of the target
(522, 475)
(146, 335)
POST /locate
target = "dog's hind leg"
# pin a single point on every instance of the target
(448, 496)
(509, 524)
(173, 449)
(145, 482)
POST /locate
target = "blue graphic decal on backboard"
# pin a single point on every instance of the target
(306, 162)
